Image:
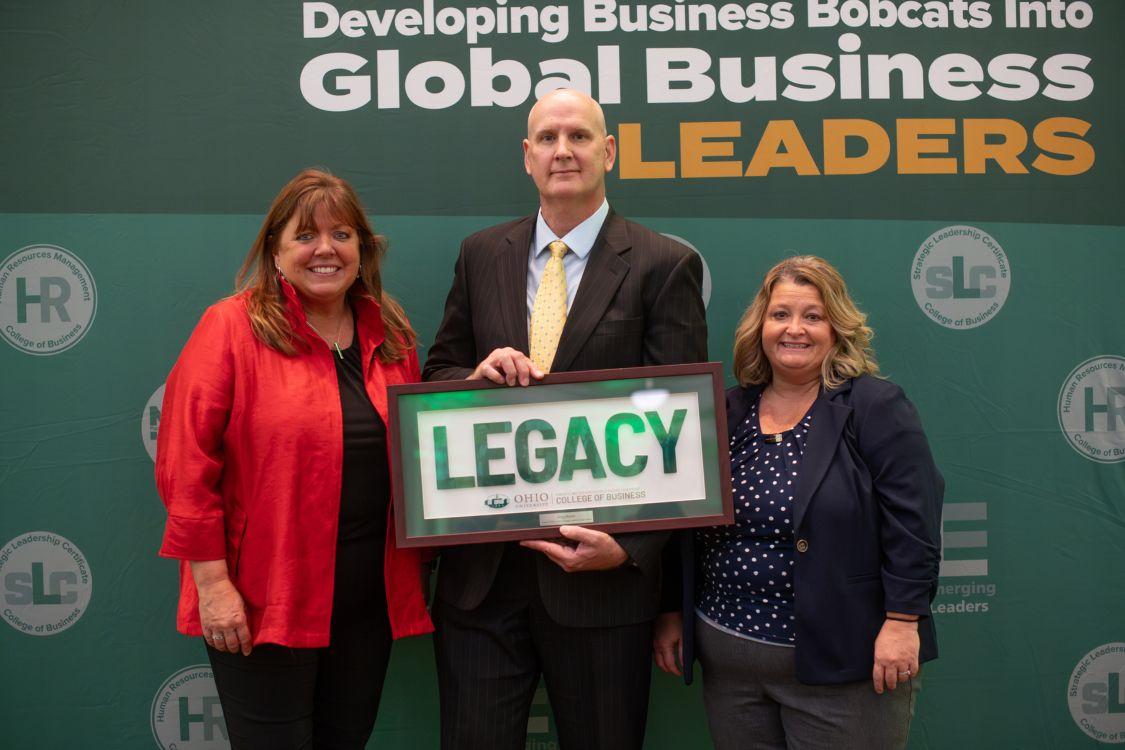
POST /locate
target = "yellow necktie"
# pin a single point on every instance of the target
(548, 314)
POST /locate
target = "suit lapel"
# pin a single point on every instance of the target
(605, 270)
(512, 284)
(828, 420)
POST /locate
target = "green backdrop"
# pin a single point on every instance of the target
(141, 143)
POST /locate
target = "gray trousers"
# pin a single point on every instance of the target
(754, 701)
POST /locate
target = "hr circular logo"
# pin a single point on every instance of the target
(150, 421)
(45, 581)
(706, 285)
(960, 277)
(186, 713)
(1092, 408)
(1095, 693)
(47, 299)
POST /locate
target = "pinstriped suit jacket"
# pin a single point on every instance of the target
(639, 303)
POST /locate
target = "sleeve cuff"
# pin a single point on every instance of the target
(906, 595)
(194, 538)
(644, 549)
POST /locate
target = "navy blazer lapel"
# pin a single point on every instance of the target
(739, 401)
(605, 270)
(512, 282)
(828, 419)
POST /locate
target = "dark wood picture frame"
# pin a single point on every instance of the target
(717, 482)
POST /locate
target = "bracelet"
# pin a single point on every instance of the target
(902, 619)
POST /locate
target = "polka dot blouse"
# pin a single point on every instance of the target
(746, 569)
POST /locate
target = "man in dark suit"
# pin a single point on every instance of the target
(579, 288)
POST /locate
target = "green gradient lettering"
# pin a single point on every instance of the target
(613, 444)
(441, 463)
(548, 455)
(579, 431)
(486, 455)
(667, 438)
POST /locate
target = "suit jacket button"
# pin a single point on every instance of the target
(802, 545)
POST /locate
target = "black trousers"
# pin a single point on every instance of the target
(490, 660)
(280, 698)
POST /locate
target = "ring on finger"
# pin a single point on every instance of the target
(217, 636)
(904, 674)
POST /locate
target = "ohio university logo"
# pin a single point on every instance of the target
(47, 299)
(1092, 409)
(1096, 693)
(496, 502)
(960, 277)
(186, 713)
(45, 583)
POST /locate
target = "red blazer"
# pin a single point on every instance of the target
(250, 462)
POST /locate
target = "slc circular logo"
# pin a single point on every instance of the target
(1092, 409)
(1095, 693)
(45, 581)
(186, 713)
(960, 277)
(47, 299)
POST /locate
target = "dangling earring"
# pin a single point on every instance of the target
(359, 271)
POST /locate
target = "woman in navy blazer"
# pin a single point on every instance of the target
(811, 614)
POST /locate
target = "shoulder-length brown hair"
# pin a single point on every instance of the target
(302, 197)
(852, 354)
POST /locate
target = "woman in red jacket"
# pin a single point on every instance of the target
(272, 462)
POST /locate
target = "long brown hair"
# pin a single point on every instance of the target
(852, 354)
(303, 196)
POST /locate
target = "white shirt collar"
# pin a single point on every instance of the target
(580, 240)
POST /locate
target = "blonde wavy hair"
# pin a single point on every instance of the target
(851, 356)
(302, 197)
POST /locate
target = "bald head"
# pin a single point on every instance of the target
(567, 153)
(571, 99)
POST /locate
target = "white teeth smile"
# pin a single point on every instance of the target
(323, 270)
(794, 346)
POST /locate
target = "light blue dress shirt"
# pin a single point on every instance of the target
(580, 240)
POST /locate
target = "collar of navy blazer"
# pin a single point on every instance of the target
(830, 413)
